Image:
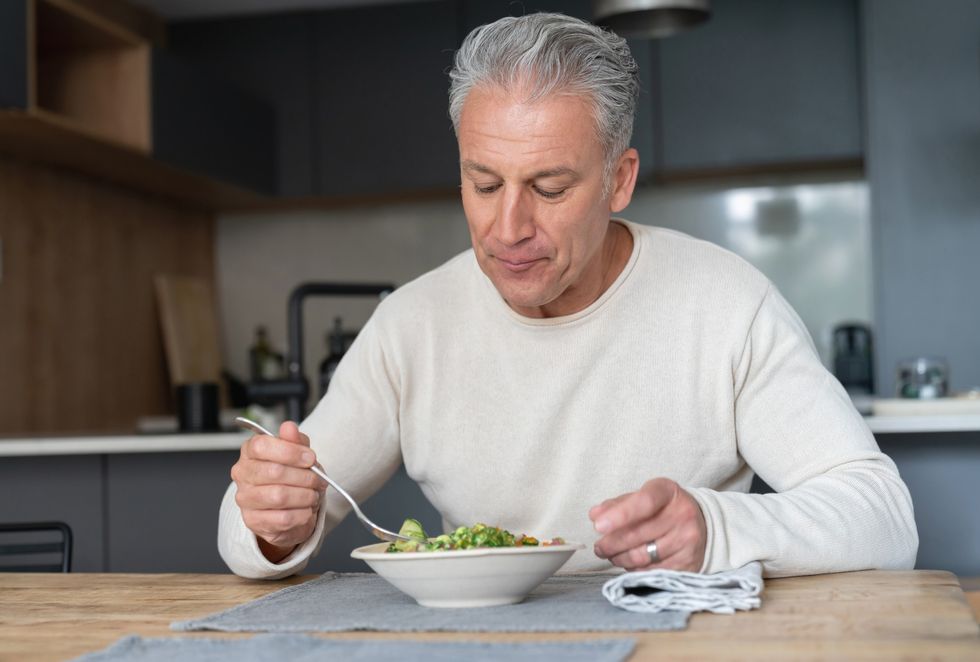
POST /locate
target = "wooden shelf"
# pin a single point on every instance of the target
(90, 72)
(40, 137)
(88, 106)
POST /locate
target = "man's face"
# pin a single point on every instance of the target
(532, 187)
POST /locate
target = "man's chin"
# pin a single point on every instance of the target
(519, 299)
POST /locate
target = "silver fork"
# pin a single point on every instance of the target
(379, 532)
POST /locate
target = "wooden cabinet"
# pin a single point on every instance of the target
(69, 66)
(352, 102)
(75, 91)
(764, 82)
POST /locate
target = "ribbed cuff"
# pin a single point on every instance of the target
(239, 548)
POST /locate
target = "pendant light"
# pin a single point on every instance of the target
(650, 18)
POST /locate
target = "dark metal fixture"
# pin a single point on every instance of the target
(650, 18)
(295, 388)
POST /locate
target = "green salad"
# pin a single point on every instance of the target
(465, 537)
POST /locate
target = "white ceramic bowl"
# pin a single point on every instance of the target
(483, 577)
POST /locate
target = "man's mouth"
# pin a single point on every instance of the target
(517, 265)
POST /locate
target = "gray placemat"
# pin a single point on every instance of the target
(336, 602)
(302, 648)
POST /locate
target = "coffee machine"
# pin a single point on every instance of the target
(853, 358)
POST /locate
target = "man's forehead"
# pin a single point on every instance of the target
(549, 137)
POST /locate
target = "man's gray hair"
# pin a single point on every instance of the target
(543, 54)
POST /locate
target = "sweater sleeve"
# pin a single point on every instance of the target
(355, 434)
(839, 503)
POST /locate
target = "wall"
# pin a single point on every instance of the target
(812, 239)
(922, 86)
(79, 333)
(260, 258)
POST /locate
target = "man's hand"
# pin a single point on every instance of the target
(660, 512)
(277, 493)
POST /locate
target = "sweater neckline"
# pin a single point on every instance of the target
(588, 310)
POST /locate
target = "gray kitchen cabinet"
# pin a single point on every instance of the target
(762, 82)
(381, 122)
(66, 488)
(922, 80)
(360, 93)
(271, 57)
(13, 54)
(158, 512)
(479, 12)
(205, 124)
(162, 514)
(162, 510)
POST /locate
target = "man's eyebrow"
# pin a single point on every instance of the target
(550, 172)
(555, 172)
(478, 167)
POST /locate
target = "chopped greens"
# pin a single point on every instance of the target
(478, 535)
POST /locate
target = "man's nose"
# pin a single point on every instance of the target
(515, 219)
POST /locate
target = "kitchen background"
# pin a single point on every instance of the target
(835, 144)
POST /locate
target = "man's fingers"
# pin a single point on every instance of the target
(636, 506)
(276, 498)
(260, 472)
(624, 539)
(671, 556)
(289, 431)
(596, 511)
(273, 449)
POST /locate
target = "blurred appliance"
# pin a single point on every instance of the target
(650, 18)
(853, 358)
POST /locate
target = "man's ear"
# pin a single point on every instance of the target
(624, 180)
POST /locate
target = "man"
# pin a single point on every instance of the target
(577, 376)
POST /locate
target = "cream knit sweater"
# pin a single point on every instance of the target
(690, 366)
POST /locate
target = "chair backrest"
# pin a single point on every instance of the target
(35, 547)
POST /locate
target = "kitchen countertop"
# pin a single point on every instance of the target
(886, 615)
(220, 441)
(935, 423)
(136, 443)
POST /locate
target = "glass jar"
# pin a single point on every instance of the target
(922, 377)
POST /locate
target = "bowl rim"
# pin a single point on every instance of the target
(368, 553)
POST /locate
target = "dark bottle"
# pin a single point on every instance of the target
(264, 362)
(335, 346)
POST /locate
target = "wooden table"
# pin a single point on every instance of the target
(873, 614)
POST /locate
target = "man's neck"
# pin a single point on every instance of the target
(614, 254)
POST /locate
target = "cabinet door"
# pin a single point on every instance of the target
(163, 510)
(271, 57)
(381, 119)
(762, 82)
(206, 124)
(64, 488)
(13, 54)
(479, 12)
